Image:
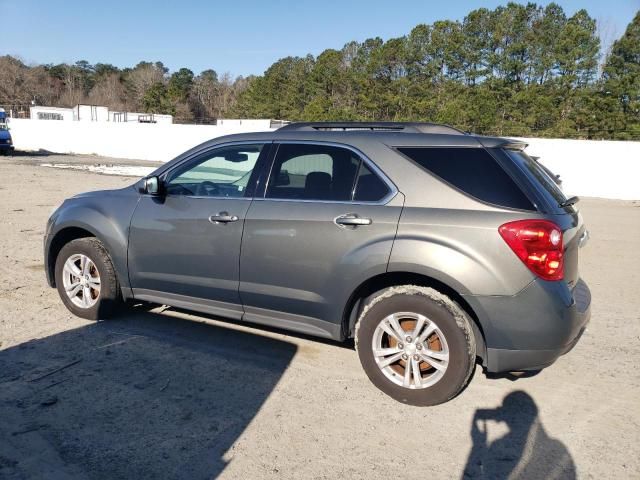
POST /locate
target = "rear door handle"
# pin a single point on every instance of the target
(352, 220)
(223, 217)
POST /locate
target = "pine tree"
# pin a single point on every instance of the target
(622, 84)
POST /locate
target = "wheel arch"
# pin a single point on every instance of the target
(59, 240)
(390, 279)
(65, 235)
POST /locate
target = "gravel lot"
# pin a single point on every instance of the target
(164, 394)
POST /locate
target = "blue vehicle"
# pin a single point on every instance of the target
(6, 143)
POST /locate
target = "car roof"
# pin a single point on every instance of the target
(388, 133)
(360, 134)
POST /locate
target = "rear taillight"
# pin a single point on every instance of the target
(538, 243)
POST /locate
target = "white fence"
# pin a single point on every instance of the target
(590, 168)
(141, 141)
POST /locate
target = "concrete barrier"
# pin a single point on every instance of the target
(139, 141)
(591, 168)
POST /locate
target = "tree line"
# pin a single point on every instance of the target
(147, 87)
(514, 70)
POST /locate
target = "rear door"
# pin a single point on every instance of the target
(326, 223)
(184, 247)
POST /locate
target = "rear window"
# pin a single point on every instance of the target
(539, 176)
(472, 170)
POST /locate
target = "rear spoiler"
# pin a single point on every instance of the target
(513, 145)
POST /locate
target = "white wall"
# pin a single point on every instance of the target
(587, 167)
(592, 168)
(160, 142)
(256, 124)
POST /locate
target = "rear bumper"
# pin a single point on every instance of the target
(503, 360)
(530, 330)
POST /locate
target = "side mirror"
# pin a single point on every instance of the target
(152, 186)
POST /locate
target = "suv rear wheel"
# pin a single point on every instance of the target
(86, 279)
(415, 344)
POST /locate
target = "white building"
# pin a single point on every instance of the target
(95, 113)
(256, 124)
(140, 117)
(90, 113)
(51, 113)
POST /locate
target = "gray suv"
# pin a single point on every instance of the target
(433, 248)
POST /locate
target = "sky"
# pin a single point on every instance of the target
(242, 37)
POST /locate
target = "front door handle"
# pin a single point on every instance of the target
(352, 220)
(223, 217)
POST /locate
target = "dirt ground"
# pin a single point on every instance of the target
(164, 394)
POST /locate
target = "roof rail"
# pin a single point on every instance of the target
(407, 127)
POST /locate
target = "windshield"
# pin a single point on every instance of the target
(4, 126)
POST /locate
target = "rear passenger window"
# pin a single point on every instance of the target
(472, 170)
(322, 172)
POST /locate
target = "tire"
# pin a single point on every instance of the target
(451, 340)
(100, 303)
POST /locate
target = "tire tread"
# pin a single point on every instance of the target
(460, 316)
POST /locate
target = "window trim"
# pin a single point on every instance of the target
(437, 177)
(393, 190)
(197, 155)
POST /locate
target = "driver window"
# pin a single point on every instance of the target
(223, 172)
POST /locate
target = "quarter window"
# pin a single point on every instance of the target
(369, 188)
(472, 170)
(224, 172)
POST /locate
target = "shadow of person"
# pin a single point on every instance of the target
(526, 451)
(143, 396)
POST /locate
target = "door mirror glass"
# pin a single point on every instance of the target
(152, 186)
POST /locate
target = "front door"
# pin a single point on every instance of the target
(326, 223)
(184, 246)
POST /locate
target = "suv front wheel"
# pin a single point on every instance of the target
(415, 344)
(86, 279)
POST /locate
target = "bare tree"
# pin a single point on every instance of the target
(109, 91)
(140, 79)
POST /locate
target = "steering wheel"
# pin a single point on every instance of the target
(207, 189)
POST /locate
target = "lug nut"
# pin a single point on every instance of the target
(400, 346)
(408, 339)
(404, 356)
(416, 357)
(419, 346)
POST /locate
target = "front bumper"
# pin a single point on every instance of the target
(47, 267)
(530, 330)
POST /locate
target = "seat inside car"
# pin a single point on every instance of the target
(317, 186)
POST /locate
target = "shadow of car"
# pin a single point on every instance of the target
(145, 396)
